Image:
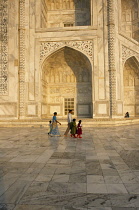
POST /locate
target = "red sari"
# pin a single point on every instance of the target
(79, 129)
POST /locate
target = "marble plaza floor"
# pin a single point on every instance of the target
(98, 172)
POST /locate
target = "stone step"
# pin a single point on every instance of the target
(85, 122)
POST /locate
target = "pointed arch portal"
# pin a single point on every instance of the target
(131, 86)
(67, 83)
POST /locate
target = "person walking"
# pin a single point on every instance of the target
(55, 131)
(50, 127)
(69, 119)
(79, 129)
(73, 128)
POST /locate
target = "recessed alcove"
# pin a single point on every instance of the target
(130, 18)
(131, 86)
(67, 83)
(65, 13)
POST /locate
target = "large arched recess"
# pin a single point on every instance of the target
(131, 86)
(67, 83)
(129, 18)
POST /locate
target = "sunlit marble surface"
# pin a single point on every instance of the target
(98, 172)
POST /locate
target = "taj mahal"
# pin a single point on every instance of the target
(58, 55)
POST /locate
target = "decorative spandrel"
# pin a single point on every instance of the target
(4, 47)
(85, 47)
(127, 53)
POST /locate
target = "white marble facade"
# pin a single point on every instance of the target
(61, 54)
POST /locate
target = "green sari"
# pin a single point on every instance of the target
(73, 128)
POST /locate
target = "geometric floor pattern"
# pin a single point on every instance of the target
(98, 172)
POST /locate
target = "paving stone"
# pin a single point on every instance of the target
(99, 171)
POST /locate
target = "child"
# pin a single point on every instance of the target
(73, 128)
(79, 129)
(50, 126)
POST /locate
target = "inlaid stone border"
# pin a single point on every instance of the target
(4, 47)
(111, 55)
(22, 58)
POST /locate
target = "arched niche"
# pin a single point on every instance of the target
(130, 18)
(131, 86)
(67, 83)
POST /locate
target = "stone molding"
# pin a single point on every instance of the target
(85, 47)
(127, 53)
(22, 58)
(4, 47)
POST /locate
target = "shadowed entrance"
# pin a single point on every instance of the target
(131, 86)
(67, 83)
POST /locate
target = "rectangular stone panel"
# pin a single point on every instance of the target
(8, 110)
(54, 109)
(32, 109)
(137, 109)
(44, 109)
(84, 109)
(102, 109)
(119, 108)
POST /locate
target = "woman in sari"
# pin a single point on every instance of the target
(54, 131)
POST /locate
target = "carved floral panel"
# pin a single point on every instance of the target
(127, 53)
(4, 47)
(47, 48)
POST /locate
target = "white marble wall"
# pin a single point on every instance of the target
(77, 37)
